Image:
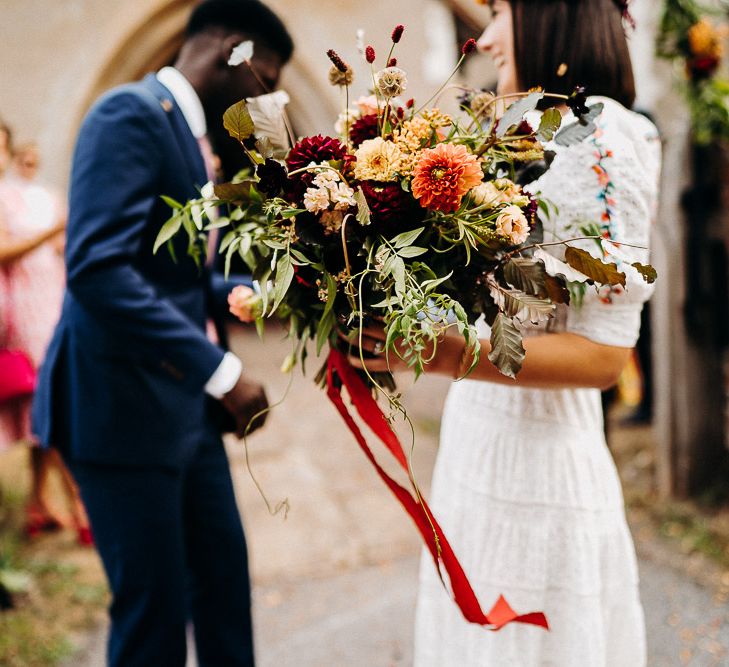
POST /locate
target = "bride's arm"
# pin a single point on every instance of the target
(553, 361)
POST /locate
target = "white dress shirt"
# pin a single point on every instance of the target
(230, 369)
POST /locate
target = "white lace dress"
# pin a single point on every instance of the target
(524, 485)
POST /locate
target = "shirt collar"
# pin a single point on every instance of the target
(186, 98)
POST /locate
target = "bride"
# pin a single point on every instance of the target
(524, 485)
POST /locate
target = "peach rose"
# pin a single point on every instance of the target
(244, 303)
(513, 224)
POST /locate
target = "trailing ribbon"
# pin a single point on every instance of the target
(339, 370)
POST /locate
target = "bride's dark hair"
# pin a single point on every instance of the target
(560, 44)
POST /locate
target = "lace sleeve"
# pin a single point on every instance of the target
(609, 183)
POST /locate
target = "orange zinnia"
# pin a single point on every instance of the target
(443, 175)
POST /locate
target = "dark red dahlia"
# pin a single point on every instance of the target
(271, 176)
(363, 128)
(315, 149)
(391, 207)
(312, 149)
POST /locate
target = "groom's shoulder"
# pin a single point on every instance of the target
(128, 101)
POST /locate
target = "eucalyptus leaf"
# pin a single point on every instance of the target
(580, 130)
(172, 203)
(411, 251)
(237, 120)
(594, 268)
(507, 351)
(515, 113)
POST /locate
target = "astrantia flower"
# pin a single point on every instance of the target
(377, 160)
(390, 206)
(391, 81)
(512, 224)
(363, 128)
(443, 175)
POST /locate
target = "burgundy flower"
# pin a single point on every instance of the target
(391, 207)
(337, 61)
(392, 62)
(578, 102)
(397, 33)
(704, 67)
(312, 149)
(370, 54)
(272, 176)
(469, 47)
(363, 128)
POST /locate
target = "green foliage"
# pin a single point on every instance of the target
(237, 120)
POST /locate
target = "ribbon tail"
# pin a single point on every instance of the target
(431, 532)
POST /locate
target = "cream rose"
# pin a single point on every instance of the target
(513, 224)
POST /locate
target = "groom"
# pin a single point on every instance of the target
(131, 384)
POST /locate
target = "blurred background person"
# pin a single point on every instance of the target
(32, 221)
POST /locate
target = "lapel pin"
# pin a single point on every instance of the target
(166, 105)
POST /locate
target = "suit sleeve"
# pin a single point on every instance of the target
(115, 183)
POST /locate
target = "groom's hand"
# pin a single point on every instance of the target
(248, 404)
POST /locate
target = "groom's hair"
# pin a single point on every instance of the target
(560, 44)
(250, 17)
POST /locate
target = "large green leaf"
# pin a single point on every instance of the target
(406, 238)
(169, 229)
(650, 275)
(594, 268)
(526, 275)
(551, 120)
(515, 113)
(234, 191)
(237, 120)
(284, 276)
(580, 130)
(507, 352)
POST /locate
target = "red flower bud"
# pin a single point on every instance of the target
(397, 33)
(337, 61)
(410, 103)
(469, 47)
(392, 62)
(370, 54)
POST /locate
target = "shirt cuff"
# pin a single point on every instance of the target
(225, 376)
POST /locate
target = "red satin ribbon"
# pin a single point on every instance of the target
(367, 407)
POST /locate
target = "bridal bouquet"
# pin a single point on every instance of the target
(407, 216)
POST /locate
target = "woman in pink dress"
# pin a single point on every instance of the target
(32, 219)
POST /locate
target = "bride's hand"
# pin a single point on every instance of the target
(372, 346)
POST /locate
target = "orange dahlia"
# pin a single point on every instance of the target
(443, 174)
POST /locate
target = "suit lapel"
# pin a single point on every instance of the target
(188, 144)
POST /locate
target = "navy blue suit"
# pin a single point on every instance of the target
(121, 392)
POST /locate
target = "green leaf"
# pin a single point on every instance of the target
(515, 113)
(594, 268)
(169, 229)
(233, 191)
(412, 251)
(526, 275)
(363, 208)
(650, 275)
(323, 330)
(551, 120)
(237, 120)
(284, 276)
(172, 203)
(507, 351)
(406, 238)
(580, 130)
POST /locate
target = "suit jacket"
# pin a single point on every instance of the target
(124, 376)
